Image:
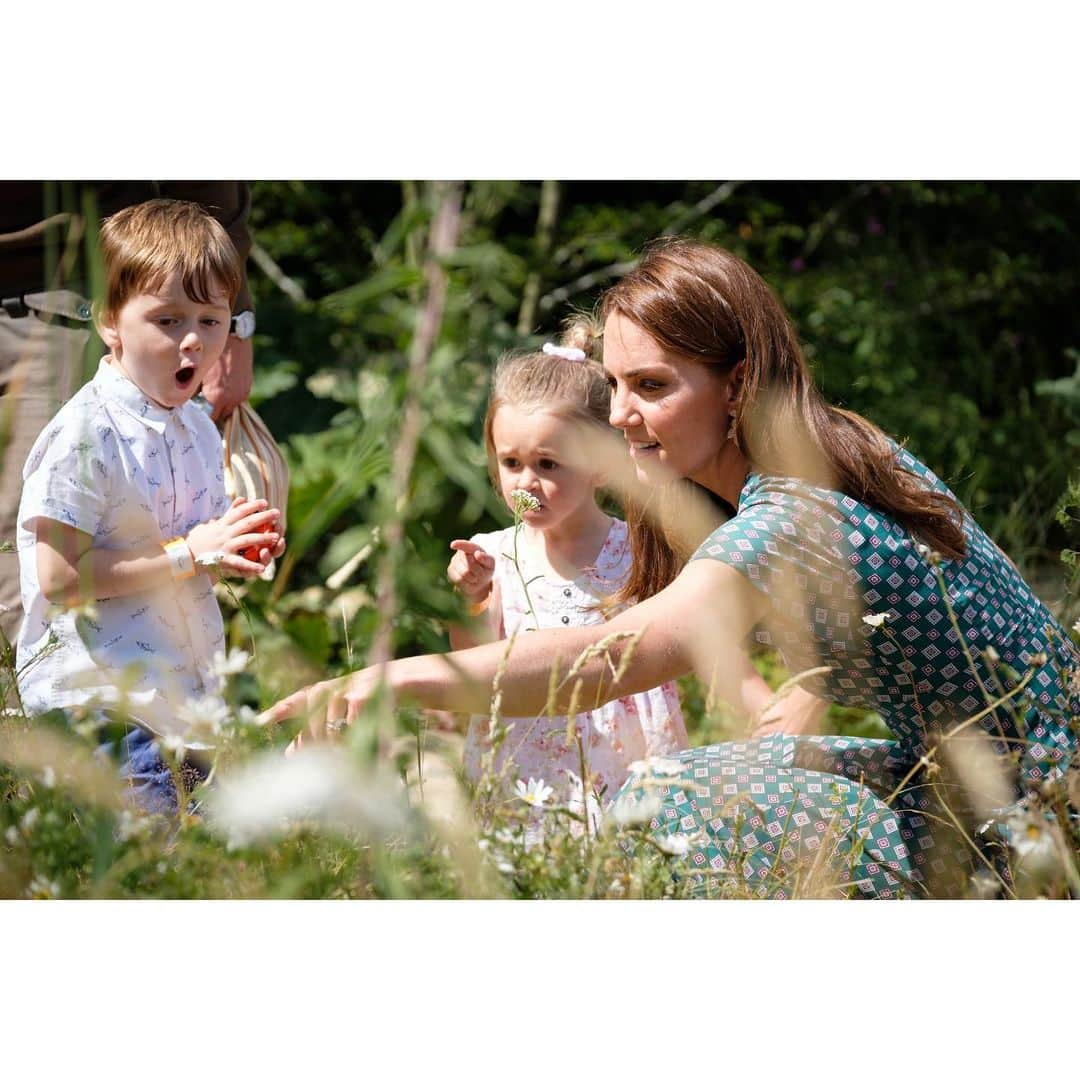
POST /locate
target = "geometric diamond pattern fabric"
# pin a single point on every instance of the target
(823, 560)
(768, 809)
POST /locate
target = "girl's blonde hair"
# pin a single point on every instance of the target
(573, 389)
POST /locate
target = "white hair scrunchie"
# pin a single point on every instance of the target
(563, 352)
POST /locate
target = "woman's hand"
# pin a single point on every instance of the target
(799, 713)
(470, 570)
(328, 706)
(241, 526)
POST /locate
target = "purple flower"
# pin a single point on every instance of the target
(797, 264)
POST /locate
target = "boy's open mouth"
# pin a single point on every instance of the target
(185, 375)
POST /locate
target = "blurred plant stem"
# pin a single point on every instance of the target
(410, 197)
(447, 197)
(265, 262)
(545, 231)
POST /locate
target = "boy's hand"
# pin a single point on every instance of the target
(239, 528)
(470, 570)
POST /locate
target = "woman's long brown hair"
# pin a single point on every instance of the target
(705, 304)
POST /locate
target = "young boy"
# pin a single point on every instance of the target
(124, 505)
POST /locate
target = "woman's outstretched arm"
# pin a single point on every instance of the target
(697, 622)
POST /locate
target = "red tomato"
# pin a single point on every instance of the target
(252, 553)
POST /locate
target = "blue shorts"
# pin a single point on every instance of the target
(148, 780)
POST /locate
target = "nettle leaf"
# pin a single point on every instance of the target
(333, 471)
(350, 302)
(412, 219)
(269, 382)
(467, 470)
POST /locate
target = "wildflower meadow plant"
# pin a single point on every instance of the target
(355, 820)
(535, 793)
(522, 502)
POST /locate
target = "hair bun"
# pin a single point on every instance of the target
(582, 332)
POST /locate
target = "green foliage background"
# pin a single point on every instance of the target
(945, 312)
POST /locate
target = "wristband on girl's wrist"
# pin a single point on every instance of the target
(480, 606)
(181, 561)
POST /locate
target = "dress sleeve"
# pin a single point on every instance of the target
(792, 543)
(490, 542)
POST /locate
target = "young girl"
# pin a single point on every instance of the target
(559, 568)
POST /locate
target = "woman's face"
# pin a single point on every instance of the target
(673, 412)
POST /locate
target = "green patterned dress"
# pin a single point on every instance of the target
(767, 811)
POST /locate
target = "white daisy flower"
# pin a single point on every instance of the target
(319, 787)
(205, 715)
(535, 793)
(246, 716)
(41, 888)
(174, 745)
(235, 662)
(1030, 836)
(877, 619)
(627, 811)
(672, 845)
(130, 825)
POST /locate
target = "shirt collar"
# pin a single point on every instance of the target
(116, 386)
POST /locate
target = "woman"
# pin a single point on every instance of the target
(842, 552)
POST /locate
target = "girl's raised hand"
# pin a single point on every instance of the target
(470, 570)
(247, 524)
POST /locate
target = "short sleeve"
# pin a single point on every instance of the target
(490, 542)
(792, 543)
(66, 479)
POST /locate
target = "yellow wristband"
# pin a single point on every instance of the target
(181, 561)
(480, 606)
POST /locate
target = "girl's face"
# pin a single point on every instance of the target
(540, 452)
(673, 412)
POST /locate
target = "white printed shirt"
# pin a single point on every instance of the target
(113, 464)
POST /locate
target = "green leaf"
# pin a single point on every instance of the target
(351, 301)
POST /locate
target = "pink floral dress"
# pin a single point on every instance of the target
(612, 736)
